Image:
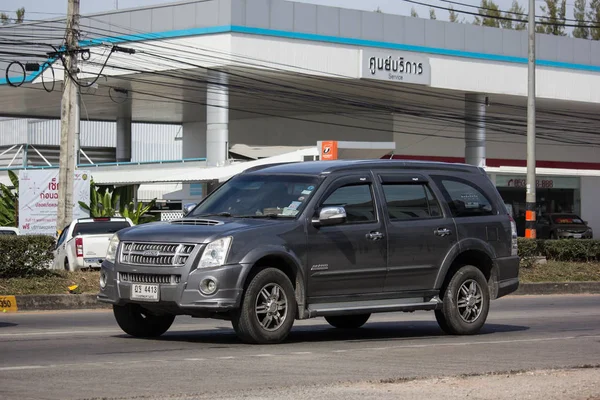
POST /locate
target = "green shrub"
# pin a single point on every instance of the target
(569, 250)
(23, 256)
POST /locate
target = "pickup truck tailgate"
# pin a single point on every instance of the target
(95, 247)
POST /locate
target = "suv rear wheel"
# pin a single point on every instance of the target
(268, 309)
(466, 302)
(348, 321)
(137, 322)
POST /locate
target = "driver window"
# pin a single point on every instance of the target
(357, 200)
(62, 236)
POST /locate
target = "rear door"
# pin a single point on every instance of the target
(478, 211)
(419, 233)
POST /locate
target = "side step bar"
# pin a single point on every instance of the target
(373, 306)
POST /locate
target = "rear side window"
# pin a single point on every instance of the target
(465, 198)
(409, 201)
(99, 228)
(7, 232)
(357, 200)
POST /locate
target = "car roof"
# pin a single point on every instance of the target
(101, 219)
(327, 167)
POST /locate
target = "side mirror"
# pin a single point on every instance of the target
(331, 216)
(187, 208)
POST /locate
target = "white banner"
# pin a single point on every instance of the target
(38, 200)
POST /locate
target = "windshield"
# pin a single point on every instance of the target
(567, 220)
(254, 196)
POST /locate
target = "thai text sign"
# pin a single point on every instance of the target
(395, 66)
(38, 200)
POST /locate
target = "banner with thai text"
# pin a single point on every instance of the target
(38, 200)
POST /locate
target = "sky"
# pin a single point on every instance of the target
(40, 9)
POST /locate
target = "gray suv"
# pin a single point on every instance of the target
(333, 239)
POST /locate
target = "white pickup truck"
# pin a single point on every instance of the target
(84, 243)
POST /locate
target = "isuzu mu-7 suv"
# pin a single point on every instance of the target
(335, 239)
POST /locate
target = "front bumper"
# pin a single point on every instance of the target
(178, 287)
(575, 235)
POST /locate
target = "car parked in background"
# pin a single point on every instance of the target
(83, 244)
(563, 226)
(8, 230)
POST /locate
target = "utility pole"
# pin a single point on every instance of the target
(530, 200)
(69, 120)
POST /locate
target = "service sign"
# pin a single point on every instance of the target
(38, 200)
(395, 66)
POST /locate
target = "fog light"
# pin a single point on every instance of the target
(103, 280)
(208, 286)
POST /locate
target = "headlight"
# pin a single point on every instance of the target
(215, 253)
(113, 245)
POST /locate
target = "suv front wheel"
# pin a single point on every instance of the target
(466, 302)
(268, 308)
(137, 322)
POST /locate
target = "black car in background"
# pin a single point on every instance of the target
(563, 226)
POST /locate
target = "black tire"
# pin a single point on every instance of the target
(137, 322)
(348, 321)
(67, 265)
(246, 321)
(451, 317)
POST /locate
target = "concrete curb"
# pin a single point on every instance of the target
(53, 302)
(558, 288)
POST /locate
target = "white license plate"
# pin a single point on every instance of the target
(577, 236)
(144, 292)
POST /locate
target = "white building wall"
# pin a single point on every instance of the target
(13, 131)
(434, 138)
(306, 130)
(590, 193)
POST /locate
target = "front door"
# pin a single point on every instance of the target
(350, 258)
(419, 234)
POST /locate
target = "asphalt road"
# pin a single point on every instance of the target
(83, 354)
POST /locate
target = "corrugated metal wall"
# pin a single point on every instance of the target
(13, 131)
(150, 142)
(153, 142)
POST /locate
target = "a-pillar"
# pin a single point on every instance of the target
(217, 119)
(475, 135)
(123, 138)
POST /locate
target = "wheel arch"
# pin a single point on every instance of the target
(476, 253)
(286, 262)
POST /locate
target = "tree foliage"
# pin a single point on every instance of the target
(432, 14)
(452, 15)
(489, 14)
(413, 13)
(555, 13)
(516, 12)
(582, 31)
(9, 202)
(5, 19)
(593, 16)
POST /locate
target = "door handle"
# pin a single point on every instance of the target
(442, 232)
(374, 235)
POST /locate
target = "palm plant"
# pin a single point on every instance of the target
(9, 202)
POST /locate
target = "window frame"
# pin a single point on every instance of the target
(352, 180)
(439, 179)
(426, 189)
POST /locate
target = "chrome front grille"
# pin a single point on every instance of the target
(156, 254)
(149, 278)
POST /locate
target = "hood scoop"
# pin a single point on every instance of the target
(202, 222)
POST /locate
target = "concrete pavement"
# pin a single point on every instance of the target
(83, 354)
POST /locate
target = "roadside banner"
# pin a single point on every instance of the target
(38, 200)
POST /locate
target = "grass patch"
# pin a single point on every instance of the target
(52, 283)
(561, 271)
